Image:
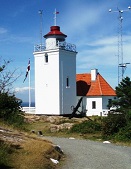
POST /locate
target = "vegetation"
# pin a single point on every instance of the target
(7, 77)
(9, 104)
(28, 152)
(118, 123)
(10, 110)
(5, 152)
(86, 127)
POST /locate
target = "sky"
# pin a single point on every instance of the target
(87, 23)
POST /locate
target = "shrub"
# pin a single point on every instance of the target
(86, 127)
(124, 134)
(10, 109)
(112, 124)
(8, 104)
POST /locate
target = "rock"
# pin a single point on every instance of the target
(54, 161)
(58, 148)
(72, 138)
(56, 128)
(32, 131)
(106, 142)
(40, 133)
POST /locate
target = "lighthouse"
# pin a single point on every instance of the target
(55, 74)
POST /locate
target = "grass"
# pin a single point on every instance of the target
(31, 153)
(5, 151)
(34, 154)
(97, 136)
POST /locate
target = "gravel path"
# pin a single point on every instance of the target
(86, 154)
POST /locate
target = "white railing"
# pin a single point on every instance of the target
(30, 110)
(62, 45)
(39, 47)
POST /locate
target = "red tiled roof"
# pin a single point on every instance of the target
(99, 87)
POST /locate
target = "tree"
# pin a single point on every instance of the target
(119, 121)
(7, 77)
(9, 104)
(123, 92)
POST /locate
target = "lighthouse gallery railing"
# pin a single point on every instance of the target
(62, 45)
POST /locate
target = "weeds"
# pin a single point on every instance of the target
(5, 151)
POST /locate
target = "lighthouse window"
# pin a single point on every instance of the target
(67, 82)
(46, 58)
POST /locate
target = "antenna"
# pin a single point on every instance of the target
(121, 65)
(41, 24)
(55, 13)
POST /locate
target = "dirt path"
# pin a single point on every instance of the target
(85, 154)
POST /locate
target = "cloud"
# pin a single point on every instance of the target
(23, 89)
(23, 93)
(102, 52)
(3, 30)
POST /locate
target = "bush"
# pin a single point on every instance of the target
(128, 116)
(8, 104)
(86, 127)
(124, 134)
(112, 124)
(10, 110)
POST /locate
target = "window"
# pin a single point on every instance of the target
(46, 58)
(93, 104)
(67, 82)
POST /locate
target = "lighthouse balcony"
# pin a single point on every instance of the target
(62, 45)
(39, 47)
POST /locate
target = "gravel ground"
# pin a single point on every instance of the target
(86, 154)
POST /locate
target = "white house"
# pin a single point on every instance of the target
(96, 93)
(55, 74)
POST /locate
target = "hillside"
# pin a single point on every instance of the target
(20, 150)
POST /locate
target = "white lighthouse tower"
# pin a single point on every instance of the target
(55, 74)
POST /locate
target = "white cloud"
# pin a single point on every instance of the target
(3, 30)
(22, 89)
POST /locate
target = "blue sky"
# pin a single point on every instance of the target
(87, 23)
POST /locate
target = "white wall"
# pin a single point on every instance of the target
(47, 83)
(98, 110)
(52, 96)
(101, 105)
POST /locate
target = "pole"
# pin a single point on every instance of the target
(55, 18)
(41, 24)
(29, 92)
(55, 13)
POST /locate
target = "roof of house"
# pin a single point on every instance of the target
(99, 87)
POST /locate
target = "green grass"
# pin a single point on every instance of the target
(80, 131)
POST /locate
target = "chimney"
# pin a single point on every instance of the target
(94, 73)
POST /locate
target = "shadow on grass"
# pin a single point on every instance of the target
(3, 166)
